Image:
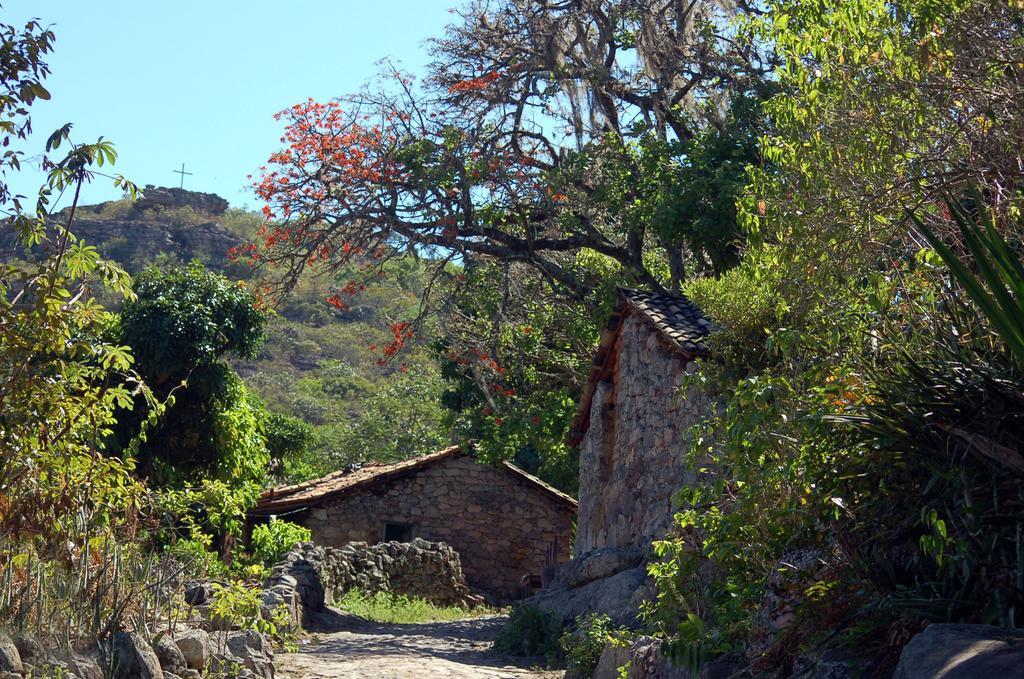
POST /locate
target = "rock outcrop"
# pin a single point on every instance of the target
(159, 196)
(608, 580)
(952, 651)
(133, 234)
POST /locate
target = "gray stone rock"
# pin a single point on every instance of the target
(170, 656)
(133, 658)
(595, 565)
(617, 596)
(86, 667)
(194, 645)
(29, 648)
(953, 651)
(198, 593)
(612, 658)
(254, 651)
(10, 658)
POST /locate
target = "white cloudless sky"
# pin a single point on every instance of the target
(186, 81)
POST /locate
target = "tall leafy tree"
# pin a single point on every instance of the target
(182, 326)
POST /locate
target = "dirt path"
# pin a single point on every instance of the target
(347, 646)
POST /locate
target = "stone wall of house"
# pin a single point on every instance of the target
(632, 463)
(632, 455)
(503, 526)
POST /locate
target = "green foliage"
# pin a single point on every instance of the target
(196, 557)
(515, 368)
(387, 607)
(288, 440)
(683, 191)
(210, 442)
(843, 369)
(532, 632)
(1000, 271)
(239, 605)
(189, 317)
(62, 377)
(746, 305)
(272, 540)
(582, 647)
(942, 438)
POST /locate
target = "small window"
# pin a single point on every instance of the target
(397, 532)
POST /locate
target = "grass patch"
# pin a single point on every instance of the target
(389, 607)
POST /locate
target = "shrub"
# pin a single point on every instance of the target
(583, 646)
(240, 605)
(195, 556)
(271, 541)
(531, 631)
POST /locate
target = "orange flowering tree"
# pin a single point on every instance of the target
(532, 138)
(549, 141)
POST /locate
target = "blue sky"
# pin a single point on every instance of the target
(199, 82)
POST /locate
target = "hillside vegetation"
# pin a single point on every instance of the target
(318, 364)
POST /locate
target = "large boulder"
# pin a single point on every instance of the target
(86, 667)
(170, 656)
(254, 651)
(956, 651)
(133, 658)
(29, 648)
(10, 658)
(617, 596)
(596, 565)
(194, 645)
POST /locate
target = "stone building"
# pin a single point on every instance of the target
(506, 524)
(631, 429)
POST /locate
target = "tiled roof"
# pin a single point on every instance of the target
(282, 498)
(677, 320)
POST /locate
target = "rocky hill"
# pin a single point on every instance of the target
(183, 224)
(180, 224)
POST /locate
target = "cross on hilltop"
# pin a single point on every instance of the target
(182, 173)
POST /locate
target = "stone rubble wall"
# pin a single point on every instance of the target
(504, 528)
(310, 576)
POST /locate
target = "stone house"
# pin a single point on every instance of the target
(505, 524)
(631, 429)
